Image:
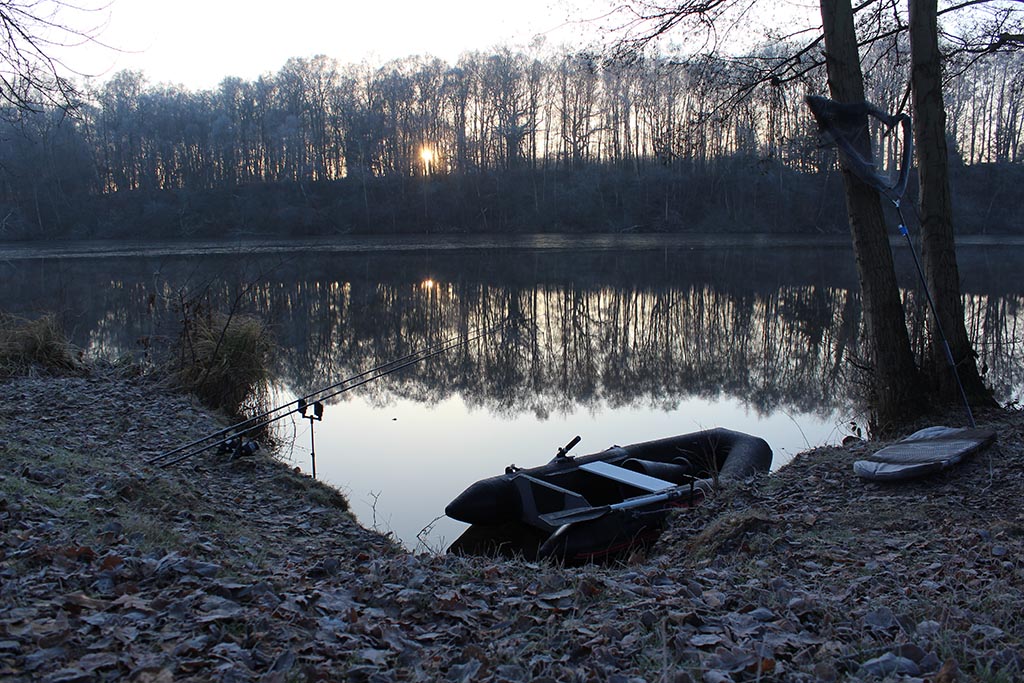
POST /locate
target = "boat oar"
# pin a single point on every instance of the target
(577, 515)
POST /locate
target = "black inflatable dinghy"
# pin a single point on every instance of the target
(599, 506)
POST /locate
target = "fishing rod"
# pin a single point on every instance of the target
(298, 403)
(935, 316)
(306, 399)
(234, 431)
(332, 394)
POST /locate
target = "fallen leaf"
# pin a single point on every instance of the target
(83, 600)
(557, 595)
(69, 675)
(111, 561)
(949, 673)
(705, 639)
(99, 660)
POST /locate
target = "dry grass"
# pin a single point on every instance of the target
(225, 361)
(730, 532)
(33, 344)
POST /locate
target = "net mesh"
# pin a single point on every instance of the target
(843, 126)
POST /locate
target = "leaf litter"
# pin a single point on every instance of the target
(248, 571)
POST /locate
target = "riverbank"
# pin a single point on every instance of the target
(335, 245)
(240, 570)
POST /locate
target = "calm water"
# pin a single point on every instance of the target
(617, 339)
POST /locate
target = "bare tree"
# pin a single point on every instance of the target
(896, 384)
(993, 26)
(32, 34)
(938, 246)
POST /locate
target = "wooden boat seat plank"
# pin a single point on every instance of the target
(638, 480)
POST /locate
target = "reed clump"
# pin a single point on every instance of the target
(225, 361)
(28, 345)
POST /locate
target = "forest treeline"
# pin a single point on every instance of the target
(508, 141)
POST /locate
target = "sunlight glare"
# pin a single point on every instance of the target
(427, 155)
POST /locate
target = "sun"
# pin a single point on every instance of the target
(428, 157)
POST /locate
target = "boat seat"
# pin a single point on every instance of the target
(639, 480)
(539, 497)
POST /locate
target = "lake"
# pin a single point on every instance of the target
(616, 338)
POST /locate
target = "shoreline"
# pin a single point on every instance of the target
(246, 570)
(17, 250)
(351, 243)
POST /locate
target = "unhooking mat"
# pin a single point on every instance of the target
(924, 452)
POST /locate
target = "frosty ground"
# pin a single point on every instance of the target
(244, 570)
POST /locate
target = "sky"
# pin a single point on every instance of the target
(197, 43)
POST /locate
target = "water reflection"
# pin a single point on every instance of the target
(769, 329)
(650, 327)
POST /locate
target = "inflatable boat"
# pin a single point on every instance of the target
(600, 506)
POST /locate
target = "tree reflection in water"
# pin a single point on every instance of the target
(770, 328)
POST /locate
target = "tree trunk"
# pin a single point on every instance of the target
(896, 385)
(937, 245)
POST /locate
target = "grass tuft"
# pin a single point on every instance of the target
(225, 361)
(731, 532)
(33, 344)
